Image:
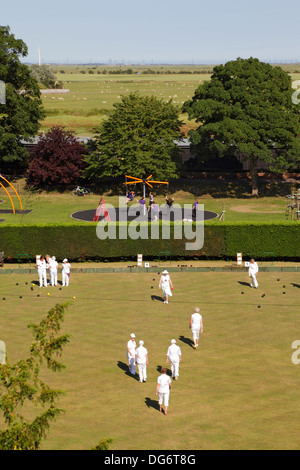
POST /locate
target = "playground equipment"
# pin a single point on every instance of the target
(144, 181)
(293, 206)
(11, 201)
(222, 215)
(101, 209)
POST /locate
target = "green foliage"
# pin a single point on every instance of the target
(44, 75)
(103, 445)
(21, 386)
(221, 240)
(247, 108)
(56, 160)
(137, 139)
(23, 108)
(254, 239)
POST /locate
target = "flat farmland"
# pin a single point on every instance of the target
(93, 93)
(92, 96)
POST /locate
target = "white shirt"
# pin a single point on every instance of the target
(141, 353)
(165, 279)
(174, 352)
(253, 268)
(53, 266)
(41, 265)
(66, 267)
(196, 320)
(164, 381)
(131, 345)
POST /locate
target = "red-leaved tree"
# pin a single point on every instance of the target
(56, 160)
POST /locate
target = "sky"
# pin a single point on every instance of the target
(156, 31)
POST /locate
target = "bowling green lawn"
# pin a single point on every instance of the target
(239, 391)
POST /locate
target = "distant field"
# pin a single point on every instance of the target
(92, 93)
(91, 97)
(239, 391)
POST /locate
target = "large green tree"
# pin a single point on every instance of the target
(44, 75)
(28, 405)
(247, 108)
(137, 138)
(23, 108)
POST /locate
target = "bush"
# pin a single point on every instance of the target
(80, 242)
(56, 160)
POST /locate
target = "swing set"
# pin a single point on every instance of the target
(144, 181)
(11, 201)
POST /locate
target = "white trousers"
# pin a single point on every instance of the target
(142, 368)
(163, 398)
(53, 278)
(131, 364)
(174, 363)
(43, 278)
(65, 279)
(254, 282)
(195, 333)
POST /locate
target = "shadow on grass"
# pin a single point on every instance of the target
(295, 285)
(124, 367)
(187, 341)
(158, 368)
(37, 284)
(152, 403)
(157, 297)
(246, 284)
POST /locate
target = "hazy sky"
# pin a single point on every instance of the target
(156, 31)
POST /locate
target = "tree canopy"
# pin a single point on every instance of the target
(56, 160)
(137, 138)
(247, 108)
(22, 386)
(44, 75)
(22, 110)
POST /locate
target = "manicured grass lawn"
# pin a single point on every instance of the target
(54, 207)
(239, 391)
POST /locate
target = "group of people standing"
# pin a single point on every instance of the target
(49, 263)
(139, 357)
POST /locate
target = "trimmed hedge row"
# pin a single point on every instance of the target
(80, 242)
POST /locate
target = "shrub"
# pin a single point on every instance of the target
(56, 160)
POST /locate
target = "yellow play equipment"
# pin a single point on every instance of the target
(11, 201)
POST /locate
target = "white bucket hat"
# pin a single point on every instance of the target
(132, 335)
(173, 341)
(165, 272)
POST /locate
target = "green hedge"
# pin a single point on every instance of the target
(221, 241)
(255, 239)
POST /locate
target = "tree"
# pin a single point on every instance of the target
(44, 75)
(56, 160)
(21, 386)
(138, 138)
(23, 108)
(247, 108)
